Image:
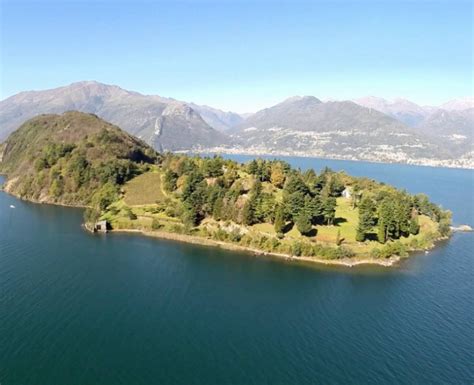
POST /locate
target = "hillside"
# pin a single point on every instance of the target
(307, 126)
(449, 126)
(166, 124)
(71, 159)
(220, 120)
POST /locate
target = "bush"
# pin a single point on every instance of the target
(156, 224)
(235, 236)
(296, 248)
(220, 235)
(129, 213)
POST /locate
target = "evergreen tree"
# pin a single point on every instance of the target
(303, 223)
(248, 214)
(385, 220)
(279, 220)
(217, 209)
(252, 167)
(312, 207)
(169, 180)
(366, 218)
(329, 209)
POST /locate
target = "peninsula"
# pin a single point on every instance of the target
(264, 206)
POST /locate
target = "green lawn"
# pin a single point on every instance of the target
(347, 220)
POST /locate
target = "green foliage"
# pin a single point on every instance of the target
(213, 167)
(366, 218)
(303, 223)
(91, 215)
(445, 222)
(106, 195)
(156, 224)
(279, 220)
(296, 248)
(169, 180)
(414, 226)
(129, 213)
(328, 205)
(67, 158)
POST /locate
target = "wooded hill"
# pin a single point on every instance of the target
(79, 159)
(70, 158)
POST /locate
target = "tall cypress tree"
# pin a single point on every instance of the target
(279, 220)
(366, 218)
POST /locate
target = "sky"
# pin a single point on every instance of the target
(242, 55)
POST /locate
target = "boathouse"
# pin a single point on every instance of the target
(100, 227)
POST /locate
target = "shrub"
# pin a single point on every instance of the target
(129, 213)
(296, 248)
(156, 224)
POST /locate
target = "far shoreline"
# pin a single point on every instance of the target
(223, 152)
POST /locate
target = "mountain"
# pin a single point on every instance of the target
(450, 126)
(401, 109)
(368, 128)
(217, 119)
(165, 123)
(459, 104)
(69, 158)
(307, 126)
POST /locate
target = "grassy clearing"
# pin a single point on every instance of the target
(145, 189)
(264, 228)
(347, 220)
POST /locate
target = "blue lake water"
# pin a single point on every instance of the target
(123, 309)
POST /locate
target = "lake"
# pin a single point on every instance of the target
(123, 309)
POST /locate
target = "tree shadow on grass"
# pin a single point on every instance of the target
(312, 233)
(371, 237)
(338, 221)
(288, 227)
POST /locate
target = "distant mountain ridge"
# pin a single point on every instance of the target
(369, 128)
(305, 125)
(165, 123)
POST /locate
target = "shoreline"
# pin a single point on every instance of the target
(4, 189)
(223, 151)
(193, 239)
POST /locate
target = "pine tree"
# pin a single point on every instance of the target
(303, 223)
(248, 214)
(366, 218)
(329, 209)
(279, 220)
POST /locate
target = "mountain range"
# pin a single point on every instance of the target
(369, 128)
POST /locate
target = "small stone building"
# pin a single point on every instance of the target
(100, 227)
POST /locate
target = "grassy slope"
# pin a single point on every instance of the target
(145, 189)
